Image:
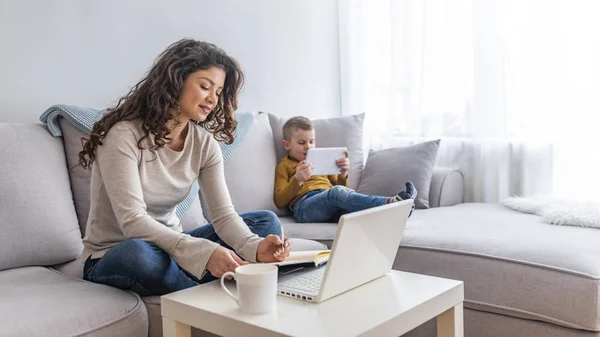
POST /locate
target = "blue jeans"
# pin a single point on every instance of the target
(147, 270)
(329, 205)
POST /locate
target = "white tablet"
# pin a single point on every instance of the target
(323, 159)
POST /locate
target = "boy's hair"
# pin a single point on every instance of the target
(294, 124)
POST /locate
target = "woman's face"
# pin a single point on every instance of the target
(200, 95)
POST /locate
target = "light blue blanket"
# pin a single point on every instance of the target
(84, 118)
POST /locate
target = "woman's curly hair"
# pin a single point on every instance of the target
(154, 99)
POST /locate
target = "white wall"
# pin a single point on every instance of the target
(91, 52)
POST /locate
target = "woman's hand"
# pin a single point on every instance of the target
(270, 250)
(223, 260)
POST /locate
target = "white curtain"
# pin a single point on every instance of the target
(512, 87)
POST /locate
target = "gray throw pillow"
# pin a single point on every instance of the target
(387, 170)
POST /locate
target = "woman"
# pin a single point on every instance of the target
(147, 152)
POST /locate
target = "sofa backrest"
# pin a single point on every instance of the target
(38, 223)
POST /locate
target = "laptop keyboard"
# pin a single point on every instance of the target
(309, 282)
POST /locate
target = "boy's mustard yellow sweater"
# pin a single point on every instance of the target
(287, 190)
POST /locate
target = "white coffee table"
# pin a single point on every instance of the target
(389, 306)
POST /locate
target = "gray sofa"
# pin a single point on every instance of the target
(522, 277)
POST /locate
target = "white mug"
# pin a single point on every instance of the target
(256, 287)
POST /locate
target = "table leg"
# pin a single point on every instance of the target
(450, 322)
(173, 328)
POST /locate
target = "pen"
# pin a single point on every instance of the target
(282, 239)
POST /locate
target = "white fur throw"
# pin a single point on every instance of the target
(558, 211)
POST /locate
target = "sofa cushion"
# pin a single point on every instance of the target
(322, 232)
(387, 171)
(512, 263)
(37, 301)
(80, 180)
(72, 268)
(38, 224)
(250, 170)
(331, 132)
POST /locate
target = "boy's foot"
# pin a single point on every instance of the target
(409, 193)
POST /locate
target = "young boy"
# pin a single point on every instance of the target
(319, 198)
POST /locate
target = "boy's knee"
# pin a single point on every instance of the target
(339, 192)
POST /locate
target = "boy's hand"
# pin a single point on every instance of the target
(303, 171)
(344, 164)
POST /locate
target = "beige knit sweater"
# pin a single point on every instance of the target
(134, 194)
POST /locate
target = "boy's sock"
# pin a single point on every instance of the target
(409, 193)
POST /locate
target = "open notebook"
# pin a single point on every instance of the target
(316, 257)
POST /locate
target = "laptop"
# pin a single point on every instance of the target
(364, 248)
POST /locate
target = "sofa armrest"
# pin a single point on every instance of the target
(447, 187)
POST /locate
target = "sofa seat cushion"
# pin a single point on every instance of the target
(322, 231)
(512, 263)
(37, 301)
